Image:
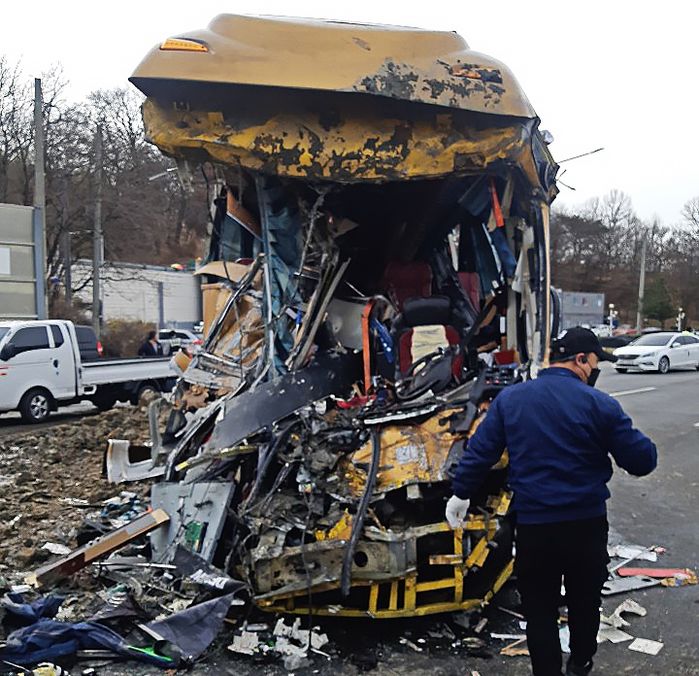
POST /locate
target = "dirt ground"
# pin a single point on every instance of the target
(41, 472)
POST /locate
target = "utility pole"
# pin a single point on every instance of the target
(97, 235)
(67, 262)
(39, 215)
(641, 287)
(66, 246)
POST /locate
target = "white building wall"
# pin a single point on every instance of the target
(145, 293)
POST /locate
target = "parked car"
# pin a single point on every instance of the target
(90, 348)
(173, 339)
(42, 368)
(659, 351)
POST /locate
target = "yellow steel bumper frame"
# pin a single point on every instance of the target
(411, 585)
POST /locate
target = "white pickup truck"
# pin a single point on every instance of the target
(41, 369)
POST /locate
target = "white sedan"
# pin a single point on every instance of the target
(659, 352)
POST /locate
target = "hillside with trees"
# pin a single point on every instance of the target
(147, 215)
(597, 248)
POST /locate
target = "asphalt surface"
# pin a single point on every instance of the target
(12, 423)
(660, 509)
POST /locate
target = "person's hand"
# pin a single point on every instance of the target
(456, 511)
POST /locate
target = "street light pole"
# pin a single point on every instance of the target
(641, 288)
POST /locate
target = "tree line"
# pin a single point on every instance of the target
(148, 216)
(597, 248)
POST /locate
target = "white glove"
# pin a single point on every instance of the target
(456, 511)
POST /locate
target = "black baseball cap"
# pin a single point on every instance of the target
(575, 340)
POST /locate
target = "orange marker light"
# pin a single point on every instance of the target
(182, 45)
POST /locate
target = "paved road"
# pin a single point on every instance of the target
(11, 423)
(662, 509)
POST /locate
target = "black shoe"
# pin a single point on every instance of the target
(573, 669)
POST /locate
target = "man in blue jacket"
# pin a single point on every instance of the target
(559, 432)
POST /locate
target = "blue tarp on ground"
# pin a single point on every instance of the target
(22, 613)
(48, 640)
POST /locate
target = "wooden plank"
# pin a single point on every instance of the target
(83, 556)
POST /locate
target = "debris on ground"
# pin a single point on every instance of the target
(654, 572)
(56, 548)
(507, 637)
(616, 620)
(55, 481)
(141, 602)
(680, 578)
(411, 645)
(612, 634)
(95, 549)
(481, 625)
(631, 552)
(516, 649)
(246, 643)
(645, 645)
(622, 585)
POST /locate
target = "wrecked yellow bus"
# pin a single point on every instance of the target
(378, 271)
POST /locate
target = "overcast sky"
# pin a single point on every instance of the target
(617, 74)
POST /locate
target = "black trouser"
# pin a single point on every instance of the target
(577, 552)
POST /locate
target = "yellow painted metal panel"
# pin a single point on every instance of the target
(447, 583)
(393, 600)
(373, 598)
(427, 609)
(458, 570)
(364, 144)
(479, 554)
(411, 454)
(409, 64)
(409, 595)
(446, 559)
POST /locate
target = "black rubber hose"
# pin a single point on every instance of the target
(270, 454)
(358, 521)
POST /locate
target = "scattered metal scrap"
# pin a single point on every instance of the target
(377, 273)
